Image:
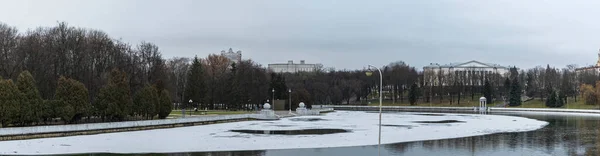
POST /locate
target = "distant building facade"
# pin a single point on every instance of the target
(291, 67)
(471, 73)
(593, 68)
(232, 56)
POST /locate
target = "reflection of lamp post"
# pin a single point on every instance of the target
(273, 91)
(290, 100)
(369, 73)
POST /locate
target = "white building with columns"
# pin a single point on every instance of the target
(292, 67)
(471, 73)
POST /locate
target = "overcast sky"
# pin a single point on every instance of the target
(342, 34)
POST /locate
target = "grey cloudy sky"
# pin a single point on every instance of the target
(341, 34)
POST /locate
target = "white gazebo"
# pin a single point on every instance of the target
(482, 104)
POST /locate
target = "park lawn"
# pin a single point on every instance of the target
(536, 103)
(572, 104)
(210, 112)
(464, 102)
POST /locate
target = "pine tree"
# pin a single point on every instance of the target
(195, 88)
(164, 106)
(32, 101)
(515, 93)
(487, 91)
(567, 85)
(561, 99)
(551, 101)
(53, 109)
(114, 99)
(530, 88)
(10, 97)
(74, 98)
(234, 93)
(146, 101)
(413, 94)
(507, 89)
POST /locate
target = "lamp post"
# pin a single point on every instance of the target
(183, 109)
(290, 100)
(369, 73)
(191, 104)
(273, 102)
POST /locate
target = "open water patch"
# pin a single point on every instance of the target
(440, 121)
(429, 114)
(307, 119)
(398, 126)
(293, 132)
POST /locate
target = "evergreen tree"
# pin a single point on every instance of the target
(75, 99)
(515, 93)
(514, 73)
(551, 101)
(51, 109)
(146, 101)
(114, 99)
(507, 89)
(487, 91)
(567, 86)
(413, 94)
(278, 83)
(10, 97)
(32, 101)
(530, 88)
(164, 106)
(561, 99)
(195, 88)
(234, 97)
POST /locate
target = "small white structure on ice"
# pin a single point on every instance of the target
(483, 104)
(301, 110)
(267, 111)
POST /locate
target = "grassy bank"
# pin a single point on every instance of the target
(177, 113)
(536, 103)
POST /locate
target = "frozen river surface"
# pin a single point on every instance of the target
(352, 128)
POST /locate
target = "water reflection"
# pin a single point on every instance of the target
(565, 135)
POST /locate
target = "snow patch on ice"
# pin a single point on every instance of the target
(218, 137)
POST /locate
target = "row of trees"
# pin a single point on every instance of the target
(217, 83)
(73, 66)
(549, 84)
(22, 105)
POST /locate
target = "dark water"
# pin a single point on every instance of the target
(565, 135)
(293, 132)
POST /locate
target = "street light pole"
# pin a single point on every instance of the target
(290, 100)
(273, 102)
(380, 104)
(190, 110)
(183, 110)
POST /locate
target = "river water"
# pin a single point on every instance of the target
(566, 134)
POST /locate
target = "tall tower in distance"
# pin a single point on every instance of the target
(598, 62)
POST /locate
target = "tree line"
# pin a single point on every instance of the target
(87, 58)
(63, 60)
(549, 84)
(22, 105)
